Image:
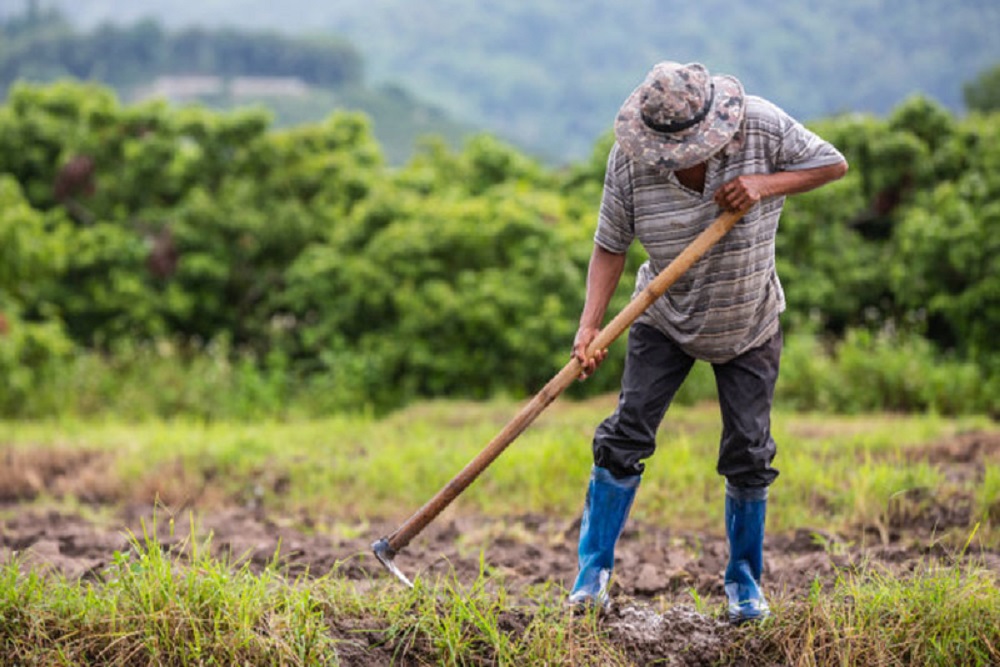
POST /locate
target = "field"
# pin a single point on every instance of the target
(196, 543)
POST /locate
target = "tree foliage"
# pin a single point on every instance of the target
(983, 92)
(41, 45)
(461, 273)
(32, 253)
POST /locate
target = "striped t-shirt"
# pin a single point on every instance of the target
(729, 301)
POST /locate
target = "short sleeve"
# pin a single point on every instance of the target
(615, 224)
(801, 148)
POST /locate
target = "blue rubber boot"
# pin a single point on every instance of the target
(608, 502)
(746, 509)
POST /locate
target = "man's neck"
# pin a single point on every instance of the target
(693, 178)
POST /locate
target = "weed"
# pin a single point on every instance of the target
(989, 495)
(701, 605)
(936, 616)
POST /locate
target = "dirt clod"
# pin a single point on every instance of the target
(680, 637)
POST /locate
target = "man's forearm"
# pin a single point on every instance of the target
(602, 278)
(745, 191)
(793, 182)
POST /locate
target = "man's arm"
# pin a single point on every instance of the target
(602, 278)
(745, 191)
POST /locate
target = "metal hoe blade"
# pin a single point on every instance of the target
(385, 554)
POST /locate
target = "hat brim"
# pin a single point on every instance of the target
(680, 150)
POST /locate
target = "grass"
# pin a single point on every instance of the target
(151, 606)
(151, 610)
(941, 616)
(835, 471)
(184, 608)
(178, 606)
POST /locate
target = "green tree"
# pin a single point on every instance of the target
(445, 285)
(32, 250)
(184, 221)
(983, 92)
(944, 255)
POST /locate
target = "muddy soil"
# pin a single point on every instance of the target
(668, 584)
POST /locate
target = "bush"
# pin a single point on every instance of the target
(204, 263)
(32, 358)
(880, 371)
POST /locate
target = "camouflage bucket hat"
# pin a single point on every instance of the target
(680, 116)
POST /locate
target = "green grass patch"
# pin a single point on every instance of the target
(184, 608)
(836, 472)
(941, 616)
(151, 606)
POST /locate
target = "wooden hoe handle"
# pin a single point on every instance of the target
(386, 548)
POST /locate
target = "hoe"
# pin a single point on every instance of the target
(386, 548)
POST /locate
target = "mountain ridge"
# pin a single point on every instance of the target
(548, 75)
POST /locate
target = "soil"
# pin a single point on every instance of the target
(668, 584)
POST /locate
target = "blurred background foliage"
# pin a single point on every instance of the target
(158, 259)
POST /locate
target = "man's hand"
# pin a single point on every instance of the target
(742, 192)
(602, 277)
(584, 337)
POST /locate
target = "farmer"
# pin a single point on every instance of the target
(688, 145)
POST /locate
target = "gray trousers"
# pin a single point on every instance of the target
(655, 368)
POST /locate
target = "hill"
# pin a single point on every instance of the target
(298, 79)
(549, 74)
